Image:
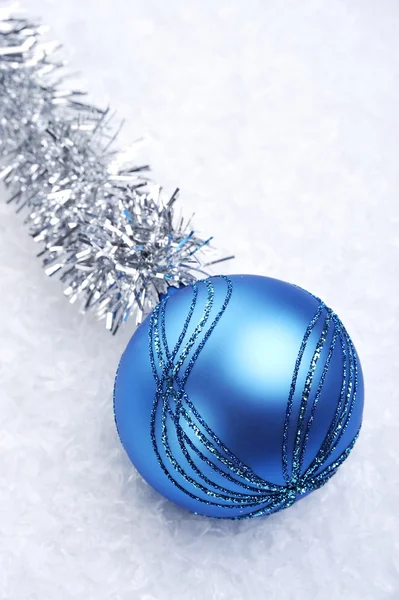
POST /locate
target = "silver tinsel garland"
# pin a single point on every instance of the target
(106, 229)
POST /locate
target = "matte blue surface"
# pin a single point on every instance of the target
(240, 384)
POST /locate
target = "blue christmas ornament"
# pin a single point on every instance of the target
(238, 396)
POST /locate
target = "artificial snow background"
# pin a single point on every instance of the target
(280, 122)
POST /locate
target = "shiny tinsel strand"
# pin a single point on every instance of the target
(103, 226)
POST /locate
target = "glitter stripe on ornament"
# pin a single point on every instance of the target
(176, 422)
(108, 231)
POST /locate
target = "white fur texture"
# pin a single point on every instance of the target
(279, 120)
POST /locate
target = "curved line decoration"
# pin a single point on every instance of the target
(174, 414)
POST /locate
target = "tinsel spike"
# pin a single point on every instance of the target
(104, 227)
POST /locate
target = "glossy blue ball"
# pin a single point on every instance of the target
(239, 395)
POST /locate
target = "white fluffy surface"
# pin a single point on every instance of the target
(279, 120)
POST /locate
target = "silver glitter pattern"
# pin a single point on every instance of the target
(106, 229)
(175, 417)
